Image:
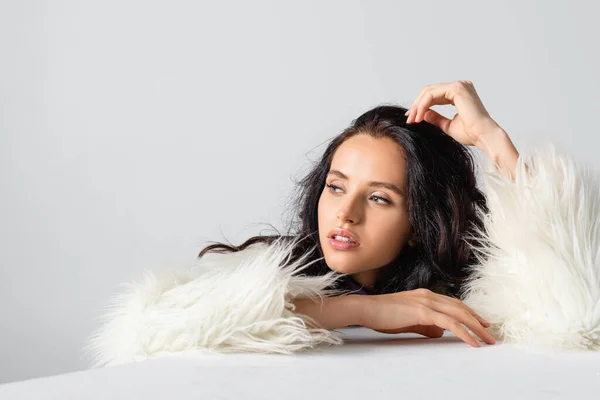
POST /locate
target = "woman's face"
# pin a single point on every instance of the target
(376, 215)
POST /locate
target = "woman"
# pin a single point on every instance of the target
(391, 230)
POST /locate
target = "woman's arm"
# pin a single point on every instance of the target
(419, 311)
(496, 144)
(233, 302)
(332, 312)
(471, 126)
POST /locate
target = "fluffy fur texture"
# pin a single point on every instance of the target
(538, 276)
(537, 281)
(235, 302)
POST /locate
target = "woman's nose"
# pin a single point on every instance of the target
(347, 214)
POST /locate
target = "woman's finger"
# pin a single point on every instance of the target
(459, 303)
(456, 309)
(412, 109)
(440, 94)
(461, 314)
(424, 103)
(435, 118)
(483, 321)
(426, 293)
(447, 322)
(419, 100)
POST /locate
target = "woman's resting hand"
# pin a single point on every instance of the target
(424, 312)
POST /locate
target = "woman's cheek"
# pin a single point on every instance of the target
(327, 208)
(393, 227)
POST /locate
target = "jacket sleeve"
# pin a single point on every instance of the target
(537, 279)
(233, 302)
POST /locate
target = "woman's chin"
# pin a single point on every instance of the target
(337, 263)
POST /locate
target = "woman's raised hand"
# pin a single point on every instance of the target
(468, 125)
(424, 312)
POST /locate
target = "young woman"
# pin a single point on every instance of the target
(390, 233)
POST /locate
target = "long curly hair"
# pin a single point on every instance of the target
(443, 202)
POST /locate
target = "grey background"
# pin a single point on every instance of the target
(132, 132)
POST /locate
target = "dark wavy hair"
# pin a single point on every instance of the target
(443, 202)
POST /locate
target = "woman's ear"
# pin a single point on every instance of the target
(412, 242)
(413, 239)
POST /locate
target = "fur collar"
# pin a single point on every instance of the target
(537, 281)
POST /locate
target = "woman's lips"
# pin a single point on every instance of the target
(339, 245)
(343, 232)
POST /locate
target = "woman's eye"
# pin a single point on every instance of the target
(332, 188)
(381, 198)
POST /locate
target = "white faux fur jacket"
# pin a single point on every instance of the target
(537, 280)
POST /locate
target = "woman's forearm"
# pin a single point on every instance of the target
(496, 144)
(332, 312)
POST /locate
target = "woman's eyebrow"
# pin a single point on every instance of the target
(386, 185)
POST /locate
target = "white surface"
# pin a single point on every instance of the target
(368, 365)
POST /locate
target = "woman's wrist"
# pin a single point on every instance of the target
(333, 312)
(497, 146)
